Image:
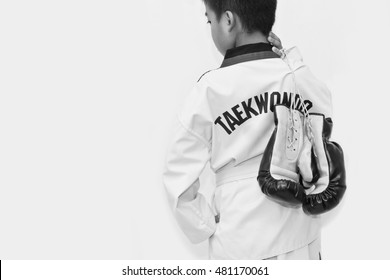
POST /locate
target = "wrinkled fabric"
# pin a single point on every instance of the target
(227, 121)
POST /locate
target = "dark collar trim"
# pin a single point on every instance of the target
(248, 57)
(247, 53)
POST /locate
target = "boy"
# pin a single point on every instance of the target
(228, 120)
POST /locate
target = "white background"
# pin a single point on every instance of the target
(88, 92)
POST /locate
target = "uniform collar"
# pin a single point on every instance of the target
(247, 53)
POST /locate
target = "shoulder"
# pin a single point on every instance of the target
(194, 114)
(197, 102)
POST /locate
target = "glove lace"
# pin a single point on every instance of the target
(296, 96)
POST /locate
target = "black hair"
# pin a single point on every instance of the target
(255, 15)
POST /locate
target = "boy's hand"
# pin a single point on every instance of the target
(277, 44)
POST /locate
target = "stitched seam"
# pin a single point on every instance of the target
(204, 74)
(203, 219)
(196, 135)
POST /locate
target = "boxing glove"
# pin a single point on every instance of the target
(330, 170)
(278, 175)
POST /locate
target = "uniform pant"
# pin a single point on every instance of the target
(311, 251)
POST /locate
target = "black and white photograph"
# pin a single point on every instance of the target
(194, 130)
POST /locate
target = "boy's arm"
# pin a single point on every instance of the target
(186, 160)
(293, 57)
(292, 54)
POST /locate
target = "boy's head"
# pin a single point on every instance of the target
(230, 18)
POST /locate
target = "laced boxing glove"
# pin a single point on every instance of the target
(307, 165)
(300, 144)
(278, 174)
(330, 170)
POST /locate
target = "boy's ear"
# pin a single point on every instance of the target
(230, 20)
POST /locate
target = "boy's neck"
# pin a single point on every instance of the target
(245, 38)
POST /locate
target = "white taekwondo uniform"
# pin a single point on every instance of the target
(227, 120)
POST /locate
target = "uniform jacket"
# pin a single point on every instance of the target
(227, 121)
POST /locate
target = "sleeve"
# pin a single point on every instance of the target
(185, 161)
(294, 57)
(309, 83)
